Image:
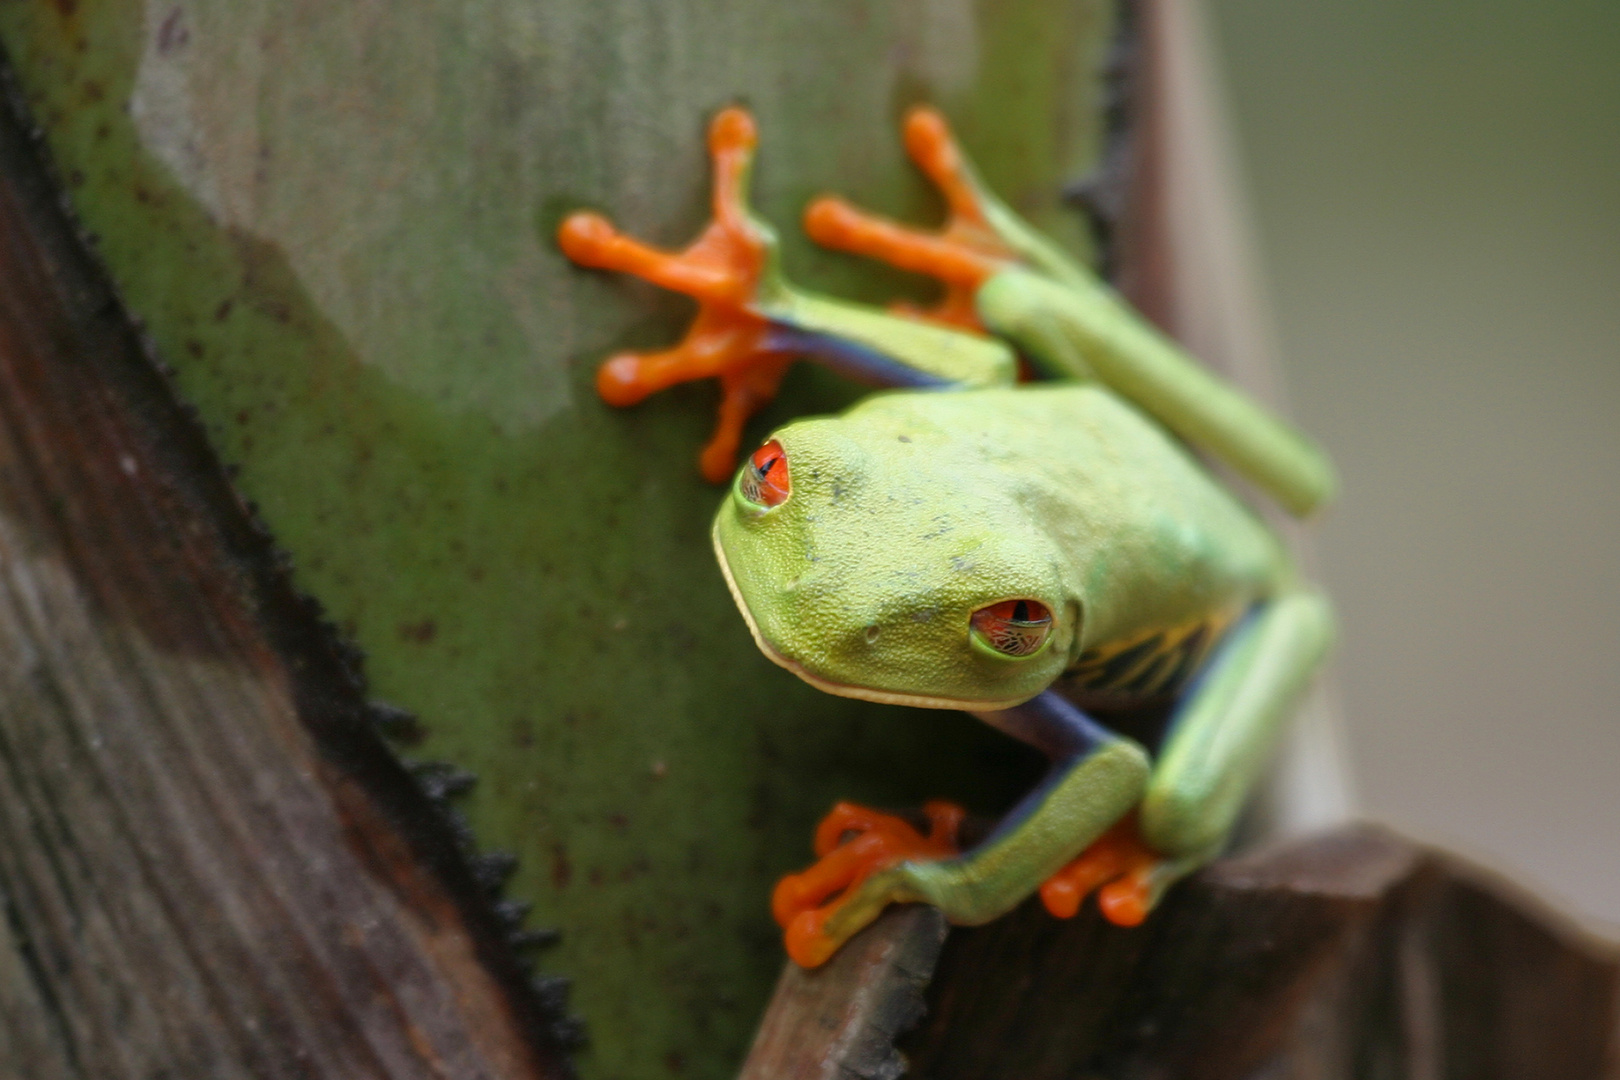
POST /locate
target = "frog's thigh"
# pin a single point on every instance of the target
(1224, 730)
(1085, 331)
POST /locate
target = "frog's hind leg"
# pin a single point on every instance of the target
(980, 237)
(963, 254)
(1219, 739)
(1002, 275)
(722, 270)
(751, 323)
(1118, 866)
(1223, 732)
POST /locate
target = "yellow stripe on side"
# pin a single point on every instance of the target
(1153, 664)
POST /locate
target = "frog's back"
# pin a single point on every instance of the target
(1158, 555)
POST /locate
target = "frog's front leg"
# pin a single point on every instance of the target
(1096, 778)
(1223, 731)
(853, 843)
(721, 270)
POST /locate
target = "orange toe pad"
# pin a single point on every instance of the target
(853, 843)
(1118, 867)
(963, 254)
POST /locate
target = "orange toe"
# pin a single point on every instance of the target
(721, 270)
(619, 381)
(806, 940)
(1126, 900)
(585, 237)
(745, 388)
(963, 254)
(1118, 867)
(853, 843)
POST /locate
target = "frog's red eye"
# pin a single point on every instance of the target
(1013, 627)
(764, 480)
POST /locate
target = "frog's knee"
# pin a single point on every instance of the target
(1180, 821)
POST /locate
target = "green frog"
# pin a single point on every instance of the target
(1032, 552)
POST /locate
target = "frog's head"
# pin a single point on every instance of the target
(878, 562)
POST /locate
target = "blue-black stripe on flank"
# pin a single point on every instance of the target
(850, 358)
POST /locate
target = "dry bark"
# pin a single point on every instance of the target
(1355, 954)
(210, 866)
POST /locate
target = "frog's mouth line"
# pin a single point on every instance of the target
(849, 690)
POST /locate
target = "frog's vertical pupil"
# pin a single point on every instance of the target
(1013, 627)
(764, 480)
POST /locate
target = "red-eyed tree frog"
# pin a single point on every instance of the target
(1032, 553)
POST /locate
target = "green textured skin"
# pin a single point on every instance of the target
(335, 221)
(913, 510)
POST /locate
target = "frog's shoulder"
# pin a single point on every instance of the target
(1082, 423)
(1057, 398)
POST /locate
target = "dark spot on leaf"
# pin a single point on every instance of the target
(562, 870)
(172, 33)
(681, 638)
(422, 632)
(523, 732)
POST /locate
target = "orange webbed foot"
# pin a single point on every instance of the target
(853, 843)
(721, 270)
(962, 255)
(1118, 866)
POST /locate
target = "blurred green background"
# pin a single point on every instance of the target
(1437, 189)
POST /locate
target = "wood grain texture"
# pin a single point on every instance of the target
(1354, 954)
(210, 867)
(840, 1021)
